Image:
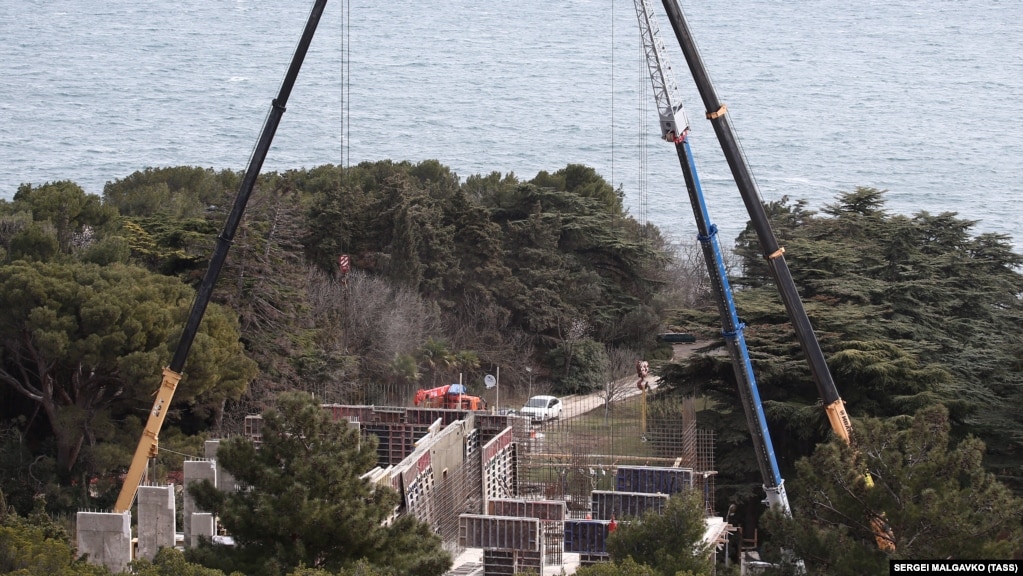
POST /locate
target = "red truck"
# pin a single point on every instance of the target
(451, 396)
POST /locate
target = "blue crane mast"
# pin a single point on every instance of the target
(674, 126)
(774, 254)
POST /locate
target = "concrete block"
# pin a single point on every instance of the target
(225, 481)
(156, 521)
(106, 538)
(202, 527)
(195, 471)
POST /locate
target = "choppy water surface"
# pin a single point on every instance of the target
(922, 98)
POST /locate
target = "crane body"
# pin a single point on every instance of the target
(148, 445)
(675, 128)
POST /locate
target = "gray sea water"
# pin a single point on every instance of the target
(923, 98)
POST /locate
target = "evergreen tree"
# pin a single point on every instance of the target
(305, 502)
(669, 543)
(83, 342)
(37, 546)
(909, 311)
(931, 496)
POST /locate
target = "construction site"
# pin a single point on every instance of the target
(506, 493)
(536, 488)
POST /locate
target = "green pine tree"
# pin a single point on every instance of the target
(305, 503)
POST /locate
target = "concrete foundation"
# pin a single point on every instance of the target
(106, 538)
(225, 481)
(202, 527)
(156, 522)
(195, 471)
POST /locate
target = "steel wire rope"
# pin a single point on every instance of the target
(642, 167)
(612, 98)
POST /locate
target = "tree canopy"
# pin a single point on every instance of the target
(544, 276)
(661, 543)
(930, 494)
(306, 504)
(910, 311)
(81, 341)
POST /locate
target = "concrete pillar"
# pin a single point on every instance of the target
(195, 471)
(202, 527)
(225, 481)
(156, 522)
(106, 538)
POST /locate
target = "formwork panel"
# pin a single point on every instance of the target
(542, 509)
(499, 464)
(653, 479)
(395, 440)
(591, 559)
(499, 532)
(604, 504)
(350, 413)
(418, 488)
(551, 513)
(510, 562)
(491, 425)
(428, 416)
(586, 536)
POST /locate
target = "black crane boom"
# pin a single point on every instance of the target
(148, 443)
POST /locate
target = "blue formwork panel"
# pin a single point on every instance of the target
(653, 479)
(499, 532)
(605, 504)
(586, 536)
(553, 510)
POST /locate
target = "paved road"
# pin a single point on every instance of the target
(581, 403)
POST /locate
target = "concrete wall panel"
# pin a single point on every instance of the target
(106, 538)
(156, 519)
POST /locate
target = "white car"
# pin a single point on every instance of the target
(542, 408)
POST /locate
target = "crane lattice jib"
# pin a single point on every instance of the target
(672, 114)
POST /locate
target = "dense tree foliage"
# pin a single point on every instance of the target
(910, 311)
(37, 546)
(931, 495)
(454, 278)
(76, 218)
(305, 503)
(171, 562)
(553, 259)
(79, 338)
(668, 543)
(498, 269)
(627, 567)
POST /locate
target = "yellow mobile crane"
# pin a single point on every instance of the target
(149, 442)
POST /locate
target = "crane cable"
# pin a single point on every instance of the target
(346, 84)
(612, 95)
(641, 106)
(346, 122)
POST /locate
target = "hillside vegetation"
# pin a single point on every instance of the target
(451, 277)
